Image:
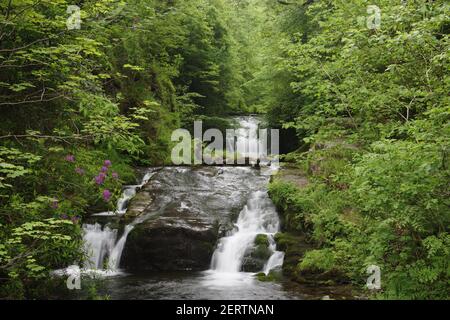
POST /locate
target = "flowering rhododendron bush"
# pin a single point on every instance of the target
(81, 105)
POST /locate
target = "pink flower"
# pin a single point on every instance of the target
(106, 195)
(75, 219)
(70, 158)
(100, 178)
(107, 163)
(104, 169)
(115, 175)
(79, 170)
(54, 204)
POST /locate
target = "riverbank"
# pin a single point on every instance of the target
(296, 240)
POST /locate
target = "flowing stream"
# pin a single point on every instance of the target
(102, 244)
(212, 192)
(257, 217)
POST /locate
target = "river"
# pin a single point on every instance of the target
(190, 198)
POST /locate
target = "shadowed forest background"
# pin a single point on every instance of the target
(363, 112)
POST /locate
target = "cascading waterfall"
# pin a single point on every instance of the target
(127, 194)
(257, 217)
(276, 259)
(102, 247)
(98, 244)
(247, 136)
(101, 244)
(208, 191)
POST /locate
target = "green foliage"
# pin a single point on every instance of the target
(321, 260)
(30, 251)
(373, 109)
(112, 90)
(12, 163)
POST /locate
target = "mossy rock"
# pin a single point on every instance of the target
(261, 252)
(262, 239)
(274, 275)
(256, 257)
(304, 271)
(291, 241)
(294, 246)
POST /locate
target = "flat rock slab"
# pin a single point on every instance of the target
(181, 213)
(292, 175)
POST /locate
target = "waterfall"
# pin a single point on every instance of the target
(116, 253)
(127, 194)
(101, 245)
(276, 259)
(247, 138)
(257, 217)
(98, 244)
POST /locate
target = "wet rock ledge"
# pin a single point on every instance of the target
(181, 213)
(170, 243)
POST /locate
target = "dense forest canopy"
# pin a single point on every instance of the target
(363, 106)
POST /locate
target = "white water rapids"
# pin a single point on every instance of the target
(101, 244)
(104, 247)
(257, 217)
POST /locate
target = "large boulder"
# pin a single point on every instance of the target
(181, 213)
(170, 243)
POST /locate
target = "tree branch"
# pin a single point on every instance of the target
(39, 136)
(8, 10)
(31, 101)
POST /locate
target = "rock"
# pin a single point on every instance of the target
(262, 239)
(170, 244)
(181, 213)
(141, 201)
(294, 247)
(256, 257)
(274, 275)
(291, 174)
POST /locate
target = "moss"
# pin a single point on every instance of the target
(261, 252)
(262, 239)
(273, 275)
(256, 257)
(294, 247)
